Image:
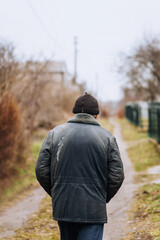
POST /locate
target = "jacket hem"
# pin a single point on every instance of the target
(80, 220)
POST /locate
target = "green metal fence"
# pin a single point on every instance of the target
(133, 114)
(154, 120)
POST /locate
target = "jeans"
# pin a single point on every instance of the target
(80, 231)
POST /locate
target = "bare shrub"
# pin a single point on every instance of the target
(120, 113)
(43, 89)
(8, 67)
(104, 113)
(140, 71)
(11, 140)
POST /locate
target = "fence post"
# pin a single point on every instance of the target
(138, 115)
(158, 123)
(149, 122)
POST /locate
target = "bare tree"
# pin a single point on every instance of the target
(142, 70)
(8, 68)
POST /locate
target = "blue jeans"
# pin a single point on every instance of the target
(80, 231)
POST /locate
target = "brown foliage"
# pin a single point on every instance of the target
(104, 113)
(11, 140)
(120, 113)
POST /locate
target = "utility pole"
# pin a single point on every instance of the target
(97, 84)
(75, 60)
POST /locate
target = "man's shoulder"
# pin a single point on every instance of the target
(106, 132)
(58, 127)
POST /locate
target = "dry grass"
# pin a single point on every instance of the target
(144, 155)
(105, 123)
(146, 220)
(141, 151)
(130, 132)
(24, 179)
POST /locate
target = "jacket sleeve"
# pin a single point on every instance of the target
(115, 170)
(43, 164)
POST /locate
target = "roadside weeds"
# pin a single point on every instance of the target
(24, 181)
(145, 213)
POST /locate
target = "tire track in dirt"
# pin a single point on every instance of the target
(118, 222)
(15, 216)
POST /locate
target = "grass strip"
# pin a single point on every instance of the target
(24, 178)
(145, 220)
(131, 132)
(146, 214)
(144, 155)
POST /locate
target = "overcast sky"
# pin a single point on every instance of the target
(104, 29)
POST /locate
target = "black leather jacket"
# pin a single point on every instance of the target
(80, 166)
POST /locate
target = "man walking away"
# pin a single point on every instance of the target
(80, 167)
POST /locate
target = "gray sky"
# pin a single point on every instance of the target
(104, 29)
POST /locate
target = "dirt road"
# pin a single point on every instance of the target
(15, 216)
(117, 225)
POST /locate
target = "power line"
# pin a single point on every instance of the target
(69, 52)
(75, 59)
(45, 29)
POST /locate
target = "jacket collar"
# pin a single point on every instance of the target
(83, 118)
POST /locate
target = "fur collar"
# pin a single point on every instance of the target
(83, 118)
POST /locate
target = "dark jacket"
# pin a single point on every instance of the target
(80, 166)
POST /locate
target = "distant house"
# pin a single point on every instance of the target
(53, 71)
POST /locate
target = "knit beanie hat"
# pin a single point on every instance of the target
(86, 104)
